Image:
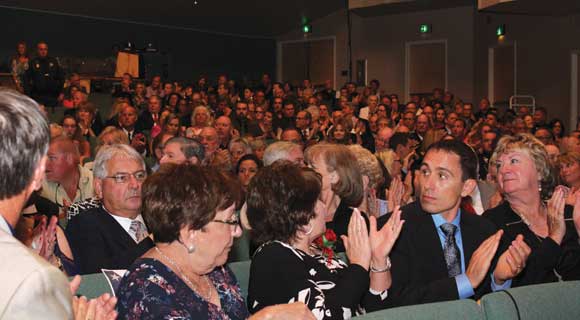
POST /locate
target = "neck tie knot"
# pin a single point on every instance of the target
(138, 230)
(448, 229)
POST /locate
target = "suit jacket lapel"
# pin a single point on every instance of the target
(113, 230)
(429, 244)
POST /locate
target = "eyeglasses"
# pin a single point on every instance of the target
(234, 222)
(122, 178)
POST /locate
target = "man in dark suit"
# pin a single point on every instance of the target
(114, 234)
(443, 253)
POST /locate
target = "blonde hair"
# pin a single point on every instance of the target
(338, 158)
(569, 158)
(536, 150)
(368, 164)
(198, 109)
(387, 157)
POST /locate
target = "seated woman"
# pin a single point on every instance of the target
(286, 217)
(342, 184)
(190, 211)
(526, 180)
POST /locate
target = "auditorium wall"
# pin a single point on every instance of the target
(544, 47)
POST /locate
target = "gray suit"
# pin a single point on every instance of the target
(31, 287)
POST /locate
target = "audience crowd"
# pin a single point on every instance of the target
(350, 201)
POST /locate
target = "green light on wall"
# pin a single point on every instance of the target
(425, 28)
(500, 31)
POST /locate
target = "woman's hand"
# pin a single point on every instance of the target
(556, 223)
(395, 193)
(357, 243)
(382, 241)
(576, 215)
(290, 311)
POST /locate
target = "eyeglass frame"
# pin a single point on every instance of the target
(120, 175)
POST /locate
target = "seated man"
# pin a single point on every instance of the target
(114, 234)
(443, 253)
(181, 150)
(66, 180)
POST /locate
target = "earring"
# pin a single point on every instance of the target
(309, 231)
(190, 249)
(540, 186)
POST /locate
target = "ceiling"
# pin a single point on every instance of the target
(385, 7)
(536, 7)
(252, 18)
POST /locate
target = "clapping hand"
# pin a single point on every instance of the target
(481, 259)
(44, 235)
(101, 308)
(576, 215)
(383, 240)
(357, 243)
(556, 223)
(512, 261)
(395, 192)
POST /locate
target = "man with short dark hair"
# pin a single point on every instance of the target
(443, 252)
(44, 79)
(240, 119)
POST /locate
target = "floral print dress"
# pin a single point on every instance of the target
(150, 290)
(330, 288)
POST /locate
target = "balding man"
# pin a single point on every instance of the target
(66, 181)
(225, 131)
(382, 139)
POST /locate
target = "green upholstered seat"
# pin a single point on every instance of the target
(242, 271)
(543, 301)
(459, 309)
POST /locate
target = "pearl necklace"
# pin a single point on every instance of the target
(208, 296)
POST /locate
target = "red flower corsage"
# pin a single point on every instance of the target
(326, 244)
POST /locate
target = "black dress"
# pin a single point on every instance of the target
(339, 223)
(548, 262)
(332, 290)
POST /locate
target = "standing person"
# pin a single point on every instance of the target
(19, 65)
(31, 287)
(44, 80)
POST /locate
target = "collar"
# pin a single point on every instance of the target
(4, 225)
(439, 220)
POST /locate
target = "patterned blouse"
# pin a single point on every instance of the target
(330, 288)
(150, 290)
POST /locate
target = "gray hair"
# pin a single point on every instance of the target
(108, 152)
(258, 144)
(189, 147)
(24, 140)
(279, 150)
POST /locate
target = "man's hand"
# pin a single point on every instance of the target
(45, 237)
(512, 261)
(481, 259)
(139, 142)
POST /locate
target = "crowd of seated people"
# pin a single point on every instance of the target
(431, 200)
